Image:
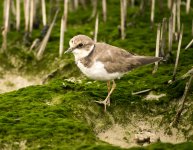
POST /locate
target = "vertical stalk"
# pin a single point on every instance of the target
(174, 16)
(75, 4)
(4, 10)
(44, 13)
(178, 15)
(61, 50)
(169, 4)
(65, 14)
(122, 6)
(188, 6)
(104, 6)
(170, 34)
(96, 27)
(6, 23)
(157, 47)
(26, 14)
(7, 15)
(12, 7)
(178, 54)
(152, 11)
(18, 13)
(31, 15)
(163, 37)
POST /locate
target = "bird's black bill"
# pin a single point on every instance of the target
(69, 50)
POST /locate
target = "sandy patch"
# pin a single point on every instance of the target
(139, 133)
(116, 135)
(10, 82)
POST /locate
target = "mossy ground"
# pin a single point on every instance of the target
(62, 114)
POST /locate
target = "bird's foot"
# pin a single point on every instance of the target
(106, 103)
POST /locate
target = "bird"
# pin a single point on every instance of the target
(104, 62)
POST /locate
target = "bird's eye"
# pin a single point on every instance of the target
(80, 45)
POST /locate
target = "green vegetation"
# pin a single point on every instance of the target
(61, 114)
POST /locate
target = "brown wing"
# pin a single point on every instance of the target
(119, 60)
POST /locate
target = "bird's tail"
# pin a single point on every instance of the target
(144, 60)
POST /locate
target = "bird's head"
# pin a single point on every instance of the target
(80, 46)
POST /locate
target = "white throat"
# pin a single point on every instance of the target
(81, 53)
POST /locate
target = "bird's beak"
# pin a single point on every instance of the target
(69, 50)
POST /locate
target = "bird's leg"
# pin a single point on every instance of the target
(109, 89)
(108, 96)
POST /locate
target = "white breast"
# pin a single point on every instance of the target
(98, 72)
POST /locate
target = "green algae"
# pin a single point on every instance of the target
(28, 114)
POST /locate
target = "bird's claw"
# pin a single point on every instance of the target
(106, 102)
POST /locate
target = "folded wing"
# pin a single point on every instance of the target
(119, 60)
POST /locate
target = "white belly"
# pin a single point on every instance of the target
(98, 72)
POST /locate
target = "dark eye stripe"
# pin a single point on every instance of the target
(80, 45)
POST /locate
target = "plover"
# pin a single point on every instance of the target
(104, 62)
